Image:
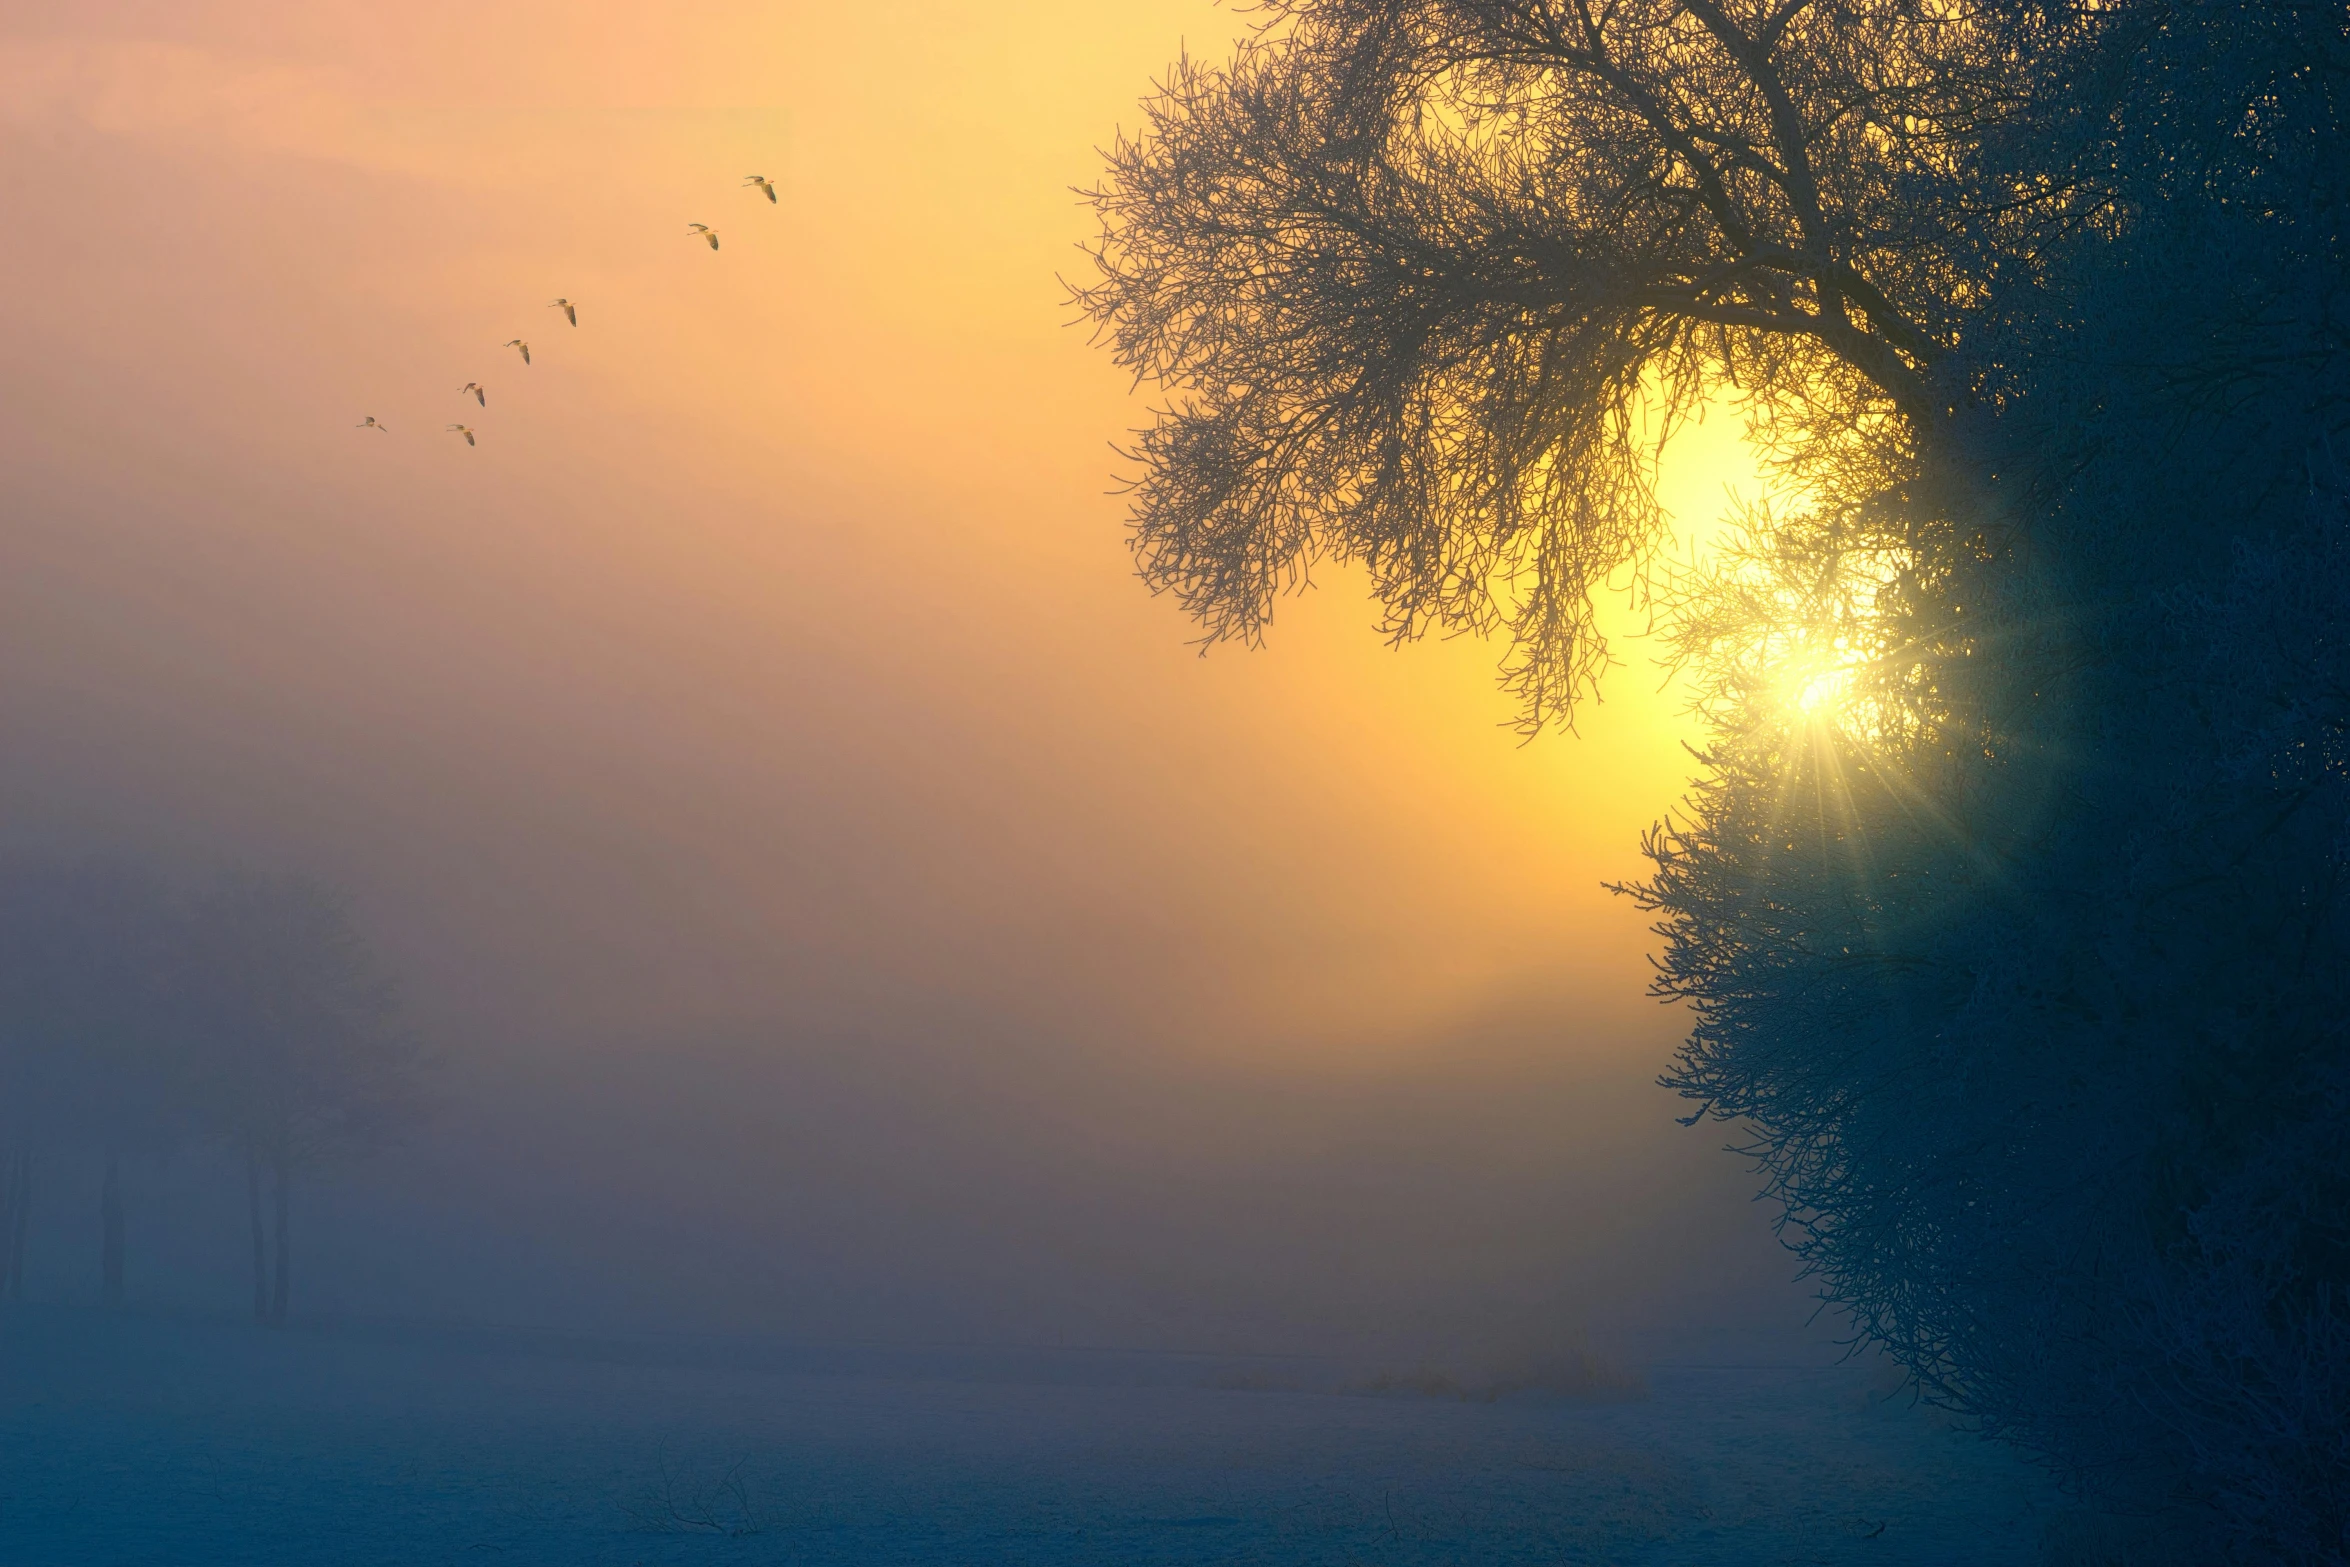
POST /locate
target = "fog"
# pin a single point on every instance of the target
(839, 904)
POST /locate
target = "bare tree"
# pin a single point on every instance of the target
(88, 1043)
(1430, 283)
(302, 1055)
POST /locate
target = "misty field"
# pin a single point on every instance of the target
(174, 1441)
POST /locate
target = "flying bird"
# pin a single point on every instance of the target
(520, 347)
(570, 310)
(706, 232)
(474, 387)
(763, 182)
(369, 423)
(464, 430)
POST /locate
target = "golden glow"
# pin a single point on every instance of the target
(1815, 681)
(784, 603)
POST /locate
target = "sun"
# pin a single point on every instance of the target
(1820, 693)
(1814, 683)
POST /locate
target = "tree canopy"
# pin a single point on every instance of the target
(137, 1015)
(1429, 284)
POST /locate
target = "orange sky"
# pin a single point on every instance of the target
(777, 648)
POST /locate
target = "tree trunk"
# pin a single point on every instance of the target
(19, 1220)
(8, 1195)
(260, 1244)
(285, 1275)
(110, 1244)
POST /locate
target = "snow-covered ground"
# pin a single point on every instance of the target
(180, 1442)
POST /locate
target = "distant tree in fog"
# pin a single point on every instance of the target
(300, 1054)
(91, 1044)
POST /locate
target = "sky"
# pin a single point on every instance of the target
(756, 753)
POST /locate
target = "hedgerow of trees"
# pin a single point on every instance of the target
(2010, 902)
(244, 1015)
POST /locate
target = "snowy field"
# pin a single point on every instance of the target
(179, 1443)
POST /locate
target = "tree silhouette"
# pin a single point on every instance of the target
(1431, 283)
(90, 1047)
(2013, 902)
(301, 1055)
